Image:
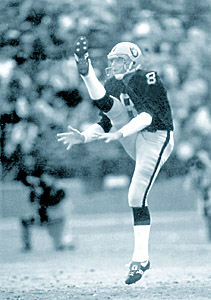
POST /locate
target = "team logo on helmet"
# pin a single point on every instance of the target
(114, 49)
(134, 51)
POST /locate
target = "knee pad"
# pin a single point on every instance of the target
(141, 215)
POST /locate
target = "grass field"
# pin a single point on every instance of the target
(179, 251)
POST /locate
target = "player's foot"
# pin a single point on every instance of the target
(136, 272)
(82, 55)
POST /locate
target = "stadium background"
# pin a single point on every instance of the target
(41, 94)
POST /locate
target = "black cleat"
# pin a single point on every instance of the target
(136, 272)
(82, 55)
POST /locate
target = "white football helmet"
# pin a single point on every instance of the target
(131, 55)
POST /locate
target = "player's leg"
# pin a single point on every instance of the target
(55, 227)
(26, 224)
(152, 150)
(95, 88)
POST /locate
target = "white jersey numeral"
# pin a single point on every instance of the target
(151, 78)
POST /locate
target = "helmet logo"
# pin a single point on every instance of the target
(113, 50)
(134, 51)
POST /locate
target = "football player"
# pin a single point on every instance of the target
(135, 110)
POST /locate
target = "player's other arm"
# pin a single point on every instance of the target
(137, 124)
(92, 133)
(74, 136)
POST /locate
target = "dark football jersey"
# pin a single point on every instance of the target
(142, 91)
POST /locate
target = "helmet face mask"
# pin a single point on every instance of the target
(124, 58)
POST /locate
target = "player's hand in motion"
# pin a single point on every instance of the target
(113, 136)
(71, 138)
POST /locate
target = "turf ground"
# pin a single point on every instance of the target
(179, 250)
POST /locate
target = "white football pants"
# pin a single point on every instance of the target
(150, 150)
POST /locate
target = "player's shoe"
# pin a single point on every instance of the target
(136, 272)
(82, 55)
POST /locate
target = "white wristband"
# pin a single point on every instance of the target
(90, 134)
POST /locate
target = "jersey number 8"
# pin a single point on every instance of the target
(151, 79)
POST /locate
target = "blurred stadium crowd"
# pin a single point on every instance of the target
(41, 92)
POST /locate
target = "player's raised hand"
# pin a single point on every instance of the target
(71, 138)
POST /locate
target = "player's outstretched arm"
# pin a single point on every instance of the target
(73, 137)
(70, 138)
